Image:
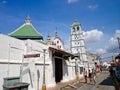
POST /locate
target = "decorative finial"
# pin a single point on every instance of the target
(75, 20)
(56, 33)
(28, 21)
(48, 36)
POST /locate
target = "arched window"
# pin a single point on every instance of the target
(57, 41)
(73, 29)
(78, 28)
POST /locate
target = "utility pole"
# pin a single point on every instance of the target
(44, 83)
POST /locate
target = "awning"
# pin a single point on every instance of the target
(63, 52)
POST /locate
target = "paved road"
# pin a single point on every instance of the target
(104, 82)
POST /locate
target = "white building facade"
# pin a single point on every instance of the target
(58, 68)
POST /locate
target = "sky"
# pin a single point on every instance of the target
(100, 20)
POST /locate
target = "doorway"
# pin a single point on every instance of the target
(58, 70)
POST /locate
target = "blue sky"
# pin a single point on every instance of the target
(100, 20)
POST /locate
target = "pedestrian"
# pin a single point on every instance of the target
(101, 68)
(90, 75)
(111, 71)
(85, 75)
(93, 76)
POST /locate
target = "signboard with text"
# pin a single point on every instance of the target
(31, 55)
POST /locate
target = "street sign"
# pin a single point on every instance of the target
(31, 55)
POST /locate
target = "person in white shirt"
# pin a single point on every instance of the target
(93, 76)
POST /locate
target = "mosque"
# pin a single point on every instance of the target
(24, 54)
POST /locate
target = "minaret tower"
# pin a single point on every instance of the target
(77, 44)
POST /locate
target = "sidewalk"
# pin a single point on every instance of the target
(61, 84)
(70, 85)
(104, 82)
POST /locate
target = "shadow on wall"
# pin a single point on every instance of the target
(65, 68)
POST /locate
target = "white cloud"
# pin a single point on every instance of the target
(3, 1)
(92, 7)
(72, 1)
(113, 42)
(100, 51)
(93, 35)
(117, 33)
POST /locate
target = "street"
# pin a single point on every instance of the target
(103, 82)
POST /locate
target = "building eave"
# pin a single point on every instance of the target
(61, 51)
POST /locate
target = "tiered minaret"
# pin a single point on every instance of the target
(77, 43)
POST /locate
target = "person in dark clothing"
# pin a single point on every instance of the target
(85, 75)
(101, 68)
(90, 75)
(111, 71)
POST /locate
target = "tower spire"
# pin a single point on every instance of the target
(75, 20)
(48, 37)
(56, 33)
(28, 21)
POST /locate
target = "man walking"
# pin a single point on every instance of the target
(85, 75)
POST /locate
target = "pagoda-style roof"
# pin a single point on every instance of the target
(75, 23)
(26, 31)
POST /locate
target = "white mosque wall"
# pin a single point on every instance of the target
(72, 75)
(69, 72)
(12, 62)
(4, 47)
(65, 71)
(11, 58)
(11, 49)
(3, 73)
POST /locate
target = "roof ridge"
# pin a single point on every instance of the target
(35, 29)
(17, 29)
(30, 24)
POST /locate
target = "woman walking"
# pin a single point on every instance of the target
(93, 76)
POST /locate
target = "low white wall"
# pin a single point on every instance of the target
(11, 58)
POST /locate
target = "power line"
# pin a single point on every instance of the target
(107, 57)
(109, 52)
(111, 56)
